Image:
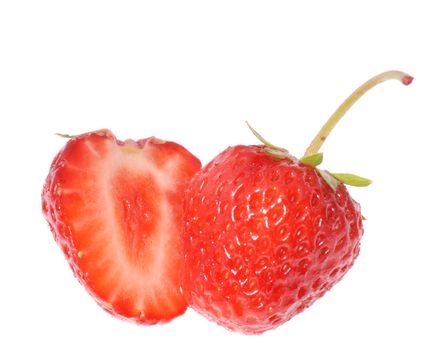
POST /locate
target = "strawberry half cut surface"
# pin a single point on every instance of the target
(116, 210)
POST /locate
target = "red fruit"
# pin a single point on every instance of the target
(115, 209)
(267, 234)
(265, 238)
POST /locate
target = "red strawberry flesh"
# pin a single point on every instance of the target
(115, 208)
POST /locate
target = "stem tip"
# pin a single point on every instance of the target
(407, 79)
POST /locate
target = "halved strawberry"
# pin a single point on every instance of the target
(115, 209)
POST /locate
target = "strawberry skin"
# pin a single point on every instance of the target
(264, 239)
(116, 210)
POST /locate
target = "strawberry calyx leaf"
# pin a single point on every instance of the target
(102, 132)
(334, 179)
(277, 153)
(352, 179)
(270, 149)
(313, 160)
(66, 136)
(262, 139)
(329, 178)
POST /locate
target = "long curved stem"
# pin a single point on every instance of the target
(322, 135)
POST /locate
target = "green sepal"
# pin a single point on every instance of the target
(262, 139)
(351, 179)
(329, 178)
(66, 136)
(313, 160)
(277, 153)
(270, 149)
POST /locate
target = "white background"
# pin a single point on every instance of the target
(193, 72)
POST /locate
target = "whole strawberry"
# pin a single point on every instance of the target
(268, 234)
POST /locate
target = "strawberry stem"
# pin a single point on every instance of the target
(322, 135)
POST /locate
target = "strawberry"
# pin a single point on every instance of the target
(115, 209)
(268, 234)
